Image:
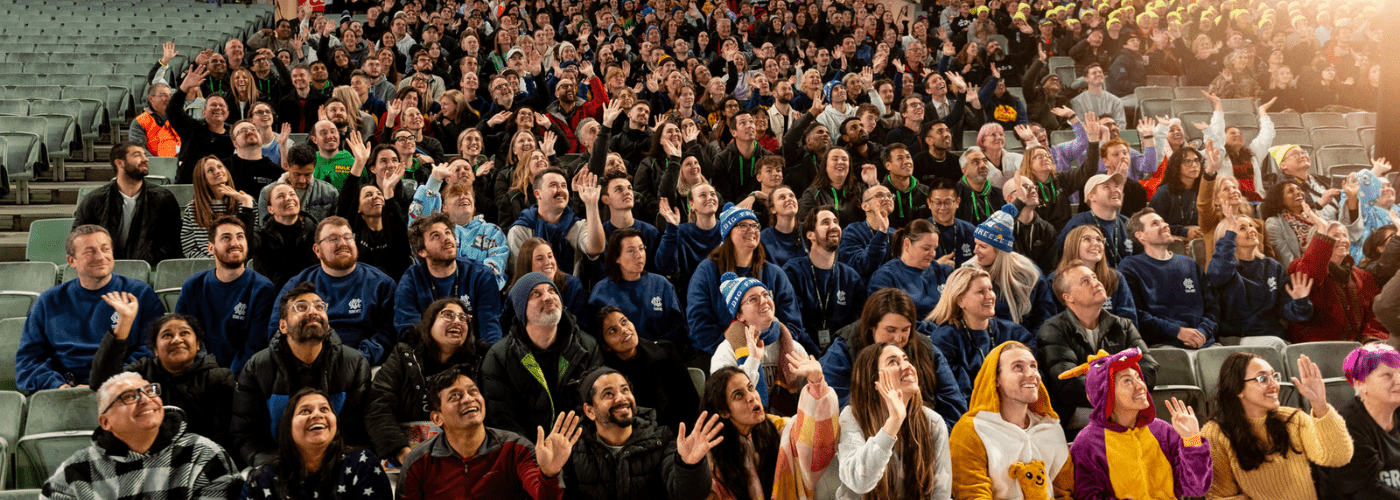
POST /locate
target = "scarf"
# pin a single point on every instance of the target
(1300, 227)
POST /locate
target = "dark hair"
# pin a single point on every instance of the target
(731, 454)
(809, 223)
(1172, 177)
(1273, 200)
(602, 317)
(443, 380)
(942, 184)
(1135, 224)
(119, 151)
(655, 150)
(1251, 451)
(153, 329)
(888, 154)
(301, 155)
(822, 180)
(614, 250)
(288, 464)
(374, 156)
(284, 303)
(470, 347)
(71, 249)
(725, 261)
(423, 224)
(1374, 245)
(535, 183)
(916, 229)
(610, 176)
(225, 220)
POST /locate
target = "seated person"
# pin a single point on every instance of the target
(470, 460)
(1010, 424)
(1345, 295)
(865, 245)
(1085, 246)
(1174, 305)
(691, 233)
(233, 300)
(1370, 370)
(647, 299)
(138, 433)
(214, 196)
(754, 328)
(1247, 283)
(967, 325)
(1104, 195)
(572, 238)
(954, 235)
(442, 339)
(450, 189)
(442, 272)
(67, 323)
(885, 417)
(662, 382)
(193, 380)
(661, 463)
(741, 253)
(542, 333)
(359, 298)
(781, 240)
(1022, 297)
(1265, 450)
(1085, 327)
(313, 458)
(306, 354)
(888, 316)
(536, 256)
(914, 269)
(831, 292)
(285, 238)
(317, 196)
(772, 441)
(1126, 451)
(376, 209)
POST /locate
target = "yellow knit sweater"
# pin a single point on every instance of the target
(1324, 441)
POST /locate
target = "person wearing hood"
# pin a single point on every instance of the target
(137, 437)
(967, 326)
(840, 106)
(533, 373)
(191, 379)
(742, 254)
(1126, 451)
(307, 354)
(1009, 445)
(999, 105)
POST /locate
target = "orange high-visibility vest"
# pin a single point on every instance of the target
(163, 141)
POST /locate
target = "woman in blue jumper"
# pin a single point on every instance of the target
(913, 269)
(782, 239)
(888, 316)
(1254, 291)
(741, 254)
(536, 256)
(684, 245)
(1085, 244)
(968, 327)
(1022, 297)
(648, 300)
(865, 244)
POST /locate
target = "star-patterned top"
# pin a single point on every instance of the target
(361, 478)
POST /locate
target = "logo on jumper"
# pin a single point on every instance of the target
(841, 297)
(1128, 243)
(1391, 478)
(966, 249)
(940, 289)
(1190, 285)
(1273, 284)
(354, 306)
(115, 318)
(656, 304)
(240, 311)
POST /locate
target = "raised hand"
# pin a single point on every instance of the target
(1264, 108)
(1214, 100)
(1145, 127)
(194, 78)
(806, 366)
(1091, 125)
(1183, 418)
(1380, 166)
(548, 141)
(1394, 218)
(869, 174)
(124, 303)
(553, 451)
(893, 397)
(1026, 135)
(672, 215)
(1352, 186)
(495, 120)
(996, 72)
(1310, 385)
(541, 120)
(285, 134)
(694, 446)
(956, 82)
(168, 52)
(586, 185)
(754, 341)
(485, 168)
(203, 57)
(1212, 157)
(818, 104)
(611, 111)
(395, 107)
(690, 133)
(1064, 112)
(357, 146)
(1301, 285)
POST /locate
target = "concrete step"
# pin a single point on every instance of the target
(12, 246)
(18, 217)
(51, 193)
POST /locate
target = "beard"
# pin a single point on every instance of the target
(135, 172)
(621, 422)
(309, 331)
(341, 263)
(546, 318)
(830, 244)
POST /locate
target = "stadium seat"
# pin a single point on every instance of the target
(1238, 119)
(1328, 356)
(19, 152)
(28, 57)
(169, 297)
(132, 268)
(94, 109)
(1175, 366)
(1192, 396)
(33, 92)
(1162, 81)
(171, 273)
(1287, 119)
(46, 240)
(1368, 140)
(84, 191)
(184, 193)
(1058, 137)
(1057, 62)
(1189, 119)
(10, 331)
(697, 377)
(1190, 92)
(1330, 137)
(1239, 106)
(71, 415)
(1133, 139)
(1324, 120)
(1197, 249)
(20, 285)
(1145, 93)
(1292, 136)
(14, 107)
(163, 169)
(120, 89)
(11, 423)
(1066, 74)
(1155, 107)
(74, 128)
(47, 68)
(1361, 119)
(1330, 158)
(18, 79)
(1181, 106)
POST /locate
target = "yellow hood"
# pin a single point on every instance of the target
(984, 388)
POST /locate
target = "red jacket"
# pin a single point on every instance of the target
(1341, 308)
(504, 468)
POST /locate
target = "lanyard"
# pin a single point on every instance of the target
(432, 282)
(899, 196)
(976, 211)
(215, 86)
(751, 163)
(1049, 184)
(1112, 236)
(836, 199)
(823, 296)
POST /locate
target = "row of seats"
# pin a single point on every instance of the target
(1192, 375)
(36, 446)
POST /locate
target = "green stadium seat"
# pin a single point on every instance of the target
(1361, 119)
(10, 331)
(73, 110)
(1210, 360)
(1318, 120)
(59, 133)
(11, 423)
(27, 494)
(16, 79)
(184, 193)
(46, 240)
(71, 415)
(94, 101)
(20, 285)
(1326, 137)
(162, 170)
(19, 152)
(172, 273)
(28, 57)
(14, 107)
(1246, 106)
(697, 377)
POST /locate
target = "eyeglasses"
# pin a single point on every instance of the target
(1095, 239)
(1264, 379)
(406, 138)
(262, 112)
(747, 226)
(303, 306)
(132, 396)
(756, 299)
(453, 316)
(336, 240)
(1191, 161)
(943, 203)
(879, 196)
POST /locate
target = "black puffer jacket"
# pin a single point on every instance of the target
(660, 381)
(514, 380)
(204, 391)
(270, 378)
(400, 391)
(1063, 346)
(647, 467)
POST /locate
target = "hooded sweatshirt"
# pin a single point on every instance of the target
(1148, 460)
(968, 350)
(987, 450)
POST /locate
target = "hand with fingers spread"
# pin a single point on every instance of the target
(672, 215)
(1214, 100)
(168, 52)
(1026, 135)
(1145, 127)
(126, 307)
(611, 111)
(194, 78)
(892, 395)
(1309, 383)
(1212, 157)
(805, 366)
(1091, 125)
(703, 436)
(587, 187)
(355, 142)
(548, 140)
(818, 104)
(1064, 112)
(1300, 287)
(1183, 419)
(553, 451)
(1264, 108)
(495, 120)
(1380, 166)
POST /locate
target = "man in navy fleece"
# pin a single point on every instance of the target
(68, 321)
(359, 299)
(441, 273)
(231, 301)
(1174, 305)
(831, 293)
(572, 238)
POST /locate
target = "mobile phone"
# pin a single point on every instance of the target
(1338, 182)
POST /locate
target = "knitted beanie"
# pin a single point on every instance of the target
(520, 293)
(999, 229)
(731, 216)
(733, 288)
(589, 379)
(826, 91)
(1280, 151)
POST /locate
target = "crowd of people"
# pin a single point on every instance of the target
(554, 208)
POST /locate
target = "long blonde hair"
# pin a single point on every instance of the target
(1069, 257)
(948, 311)
(1258, 227)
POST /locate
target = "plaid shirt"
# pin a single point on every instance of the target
(179, 465)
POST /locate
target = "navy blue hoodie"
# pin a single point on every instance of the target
(924, 286)
(835, 302)
(473, 283)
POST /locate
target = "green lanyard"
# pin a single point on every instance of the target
(977, 211)
(215, 86)
(836, 199)
(1050, 185)
(751, 163)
